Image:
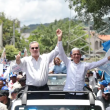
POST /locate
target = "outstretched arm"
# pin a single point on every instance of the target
(98, 63)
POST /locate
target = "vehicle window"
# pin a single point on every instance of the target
(56, 82)
(56, 79)
(61, 107)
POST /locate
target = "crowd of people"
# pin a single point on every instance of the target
(100, 88)
(36, 68)
(9, 89)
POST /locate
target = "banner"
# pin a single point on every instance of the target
(106, 66)
(106, 45)
(15, 67)
(1, 69)
(12, 68)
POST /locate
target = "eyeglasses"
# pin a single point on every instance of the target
(34, 48)
(76, 54)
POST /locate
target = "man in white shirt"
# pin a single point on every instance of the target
(95, 72)
(36, 68)
(76, 70)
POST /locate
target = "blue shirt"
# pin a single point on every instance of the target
(60, 68)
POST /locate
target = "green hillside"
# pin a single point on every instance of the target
(34, 26)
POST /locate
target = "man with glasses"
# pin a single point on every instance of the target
(36, 68)
(76, 70)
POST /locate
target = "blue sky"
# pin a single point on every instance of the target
(35, 11)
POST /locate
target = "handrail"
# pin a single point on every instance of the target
(91, 97)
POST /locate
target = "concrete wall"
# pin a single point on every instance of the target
(1, 39)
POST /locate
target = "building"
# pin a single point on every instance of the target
(25, 36)
(96, 41)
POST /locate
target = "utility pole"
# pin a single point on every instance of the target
(69, 28)
(13, 32)
(94, 35)
(89, 38)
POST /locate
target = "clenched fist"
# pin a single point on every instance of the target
(59, 34)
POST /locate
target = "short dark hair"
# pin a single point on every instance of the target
(4, 93)
(22, 79)
(90, 72)
(16, 90)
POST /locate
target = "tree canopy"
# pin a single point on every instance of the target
(11, 51)
(94, 10)
(8, 32)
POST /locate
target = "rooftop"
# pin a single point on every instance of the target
(104, 37)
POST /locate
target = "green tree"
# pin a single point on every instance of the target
(11, 51)
(0, 21)
(1, 52)
(94, 10)
(8, 32)
(24, 28)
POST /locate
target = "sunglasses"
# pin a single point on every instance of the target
(34, 48)
(76, 54)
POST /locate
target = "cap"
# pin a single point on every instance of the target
(85, 85)
(4, 88)
(104, 83)
(12, 75)
(2, 78)
(4, 93)
(107, 90)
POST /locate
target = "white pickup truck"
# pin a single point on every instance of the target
(57, 99)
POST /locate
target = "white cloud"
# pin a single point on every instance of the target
(35, 11)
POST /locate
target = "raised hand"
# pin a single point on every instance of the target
(59, 34)
(18, 58)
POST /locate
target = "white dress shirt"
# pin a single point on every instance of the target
(94, 74)
(92, 82)
(75, 79)
(37, 71)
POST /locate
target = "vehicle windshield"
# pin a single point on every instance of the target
(61, 107)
